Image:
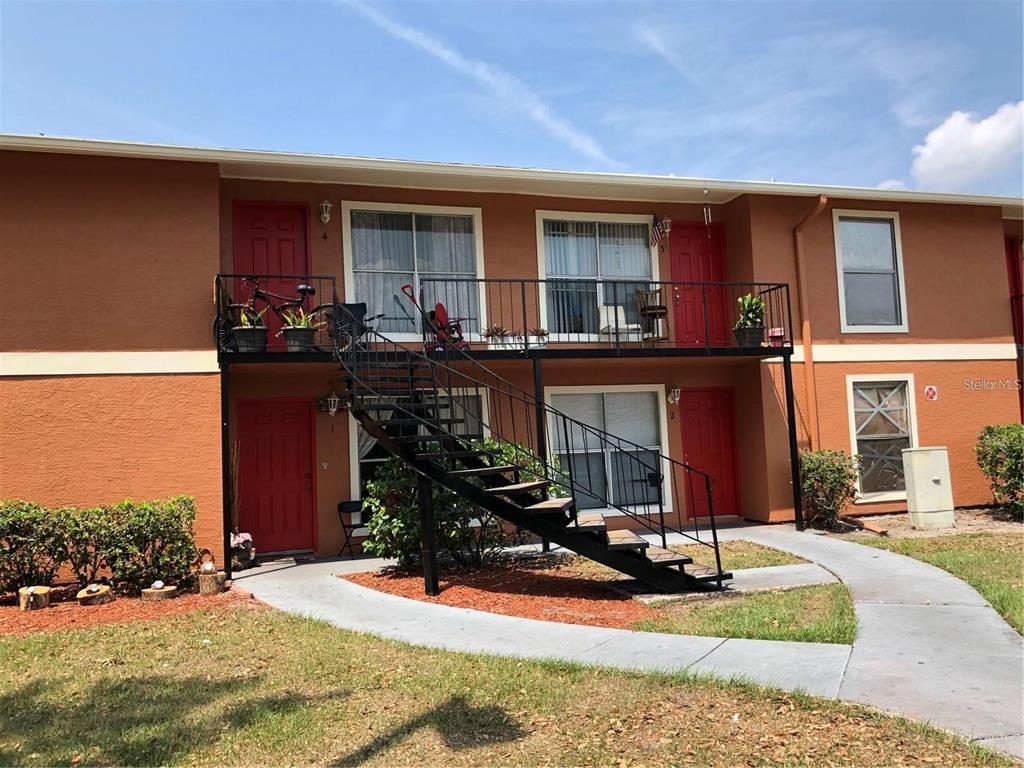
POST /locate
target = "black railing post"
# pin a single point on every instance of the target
(714, 527)
(428, 534)
(794, 450)
(225, 463)
(526, 325)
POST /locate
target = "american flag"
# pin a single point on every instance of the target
(658, 231)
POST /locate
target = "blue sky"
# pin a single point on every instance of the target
(923, 95)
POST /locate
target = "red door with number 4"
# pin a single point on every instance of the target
(706, 419)
(275, 474)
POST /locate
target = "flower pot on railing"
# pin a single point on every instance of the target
(298, 339)
(538, 337)
(749, 328)
(250, 338)
(748, 337)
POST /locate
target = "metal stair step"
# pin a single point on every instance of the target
(434, 438)
(703, 573)
(550, 505)
(591, 523)
(625, 539)
(392, 364)
(477, 471)
(425, 420)
(660, 556)
(406, 406)
(467, 454)
(518, 488)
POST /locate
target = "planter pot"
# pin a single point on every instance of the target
(250, 338)
(298, 339)
(538, 341)
(748, 337)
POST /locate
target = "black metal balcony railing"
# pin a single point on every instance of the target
(252, 312)
(525, 313)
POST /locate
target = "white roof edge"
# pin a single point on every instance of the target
(1013, 207)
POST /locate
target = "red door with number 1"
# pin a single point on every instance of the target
(275, 473)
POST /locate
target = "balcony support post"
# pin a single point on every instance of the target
(542, 442)
(225, 463)
(794, 450)
(428, 534)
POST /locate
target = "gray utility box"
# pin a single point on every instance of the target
(929, 492)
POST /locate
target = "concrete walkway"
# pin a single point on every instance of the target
(927, 645)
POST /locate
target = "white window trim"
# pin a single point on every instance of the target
(610, 218)
(659, 392)
(346, 251)
(353, 435)
(858, 378)
(894, 217)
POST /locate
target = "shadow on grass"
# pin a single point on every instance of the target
(460, 725)
(133, 721)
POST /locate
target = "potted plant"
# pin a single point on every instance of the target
(515, 340)
(538, 337)
(250, 334)
(496, 335)
(749, 328)
(299, 330)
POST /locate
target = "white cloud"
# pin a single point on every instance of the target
(892, 184)
(965, 150)
(502, 86)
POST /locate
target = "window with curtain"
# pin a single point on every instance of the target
(392, 249)
(467, 407)
(609, 473)
(870, 271)
(594, 269)
(881, 416)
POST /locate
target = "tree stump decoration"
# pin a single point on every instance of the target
(95, 594)
(152, 594)
(33, 598)
(212, 583)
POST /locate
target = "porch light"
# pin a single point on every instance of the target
(667, 224)
(333, 401)
(325, 212)
(673, 394)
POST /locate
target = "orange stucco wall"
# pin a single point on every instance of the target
(106, 253)
(98, 439)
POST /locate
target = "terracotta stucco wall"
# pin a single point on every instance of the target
(89, 440)
(953, 260)
(106, 253)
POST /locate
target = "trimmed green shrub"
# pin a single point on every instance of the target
(88, 534)
(151, 540)
(828, 481)
(393, 528)
(1000, 452)
(31, 545)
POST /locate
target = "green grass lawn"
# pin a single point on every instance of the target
(737, 555)
(992, 563)
(245, 687)
(807, 614)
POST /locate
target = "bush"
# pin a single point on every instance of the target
(31, 545)
(151, 540)
(393, 529)
(88, 535)
(828, 481)
(1000, 452)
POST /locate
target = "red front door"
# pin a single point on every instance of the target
(698, 256)
(275, 473)
(270, 240)
(707, 422)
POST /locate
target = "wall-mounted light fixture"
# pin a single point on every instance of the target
(331, 403)
(667, 224)
(673, 394)
(325, 212)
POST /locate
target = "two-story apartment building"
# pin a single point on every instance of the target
(889, 312)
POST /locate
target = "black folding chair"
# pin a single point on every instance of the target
(349, 509)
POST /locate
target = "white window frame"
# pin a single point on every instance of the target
(353, 436)
(862, 378)
(348, 261)
(607, 218)
(604, 389)
(894, 217)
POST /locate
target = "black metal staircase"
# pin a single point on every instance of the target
(415, 405)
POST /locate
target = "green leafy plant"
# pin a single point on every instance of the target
(540, 333)
(1000, 453)
(250, 318)
(751, 311)
(828, 481)
(468, 534)
(31, 545)
(151, 540)
(299, 318)
(88, 534)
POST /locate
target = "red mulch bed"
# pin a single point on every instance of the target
(545, 591)
(68, 614)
